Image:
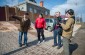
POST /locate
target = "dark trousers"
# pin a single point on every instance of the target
(40, 32)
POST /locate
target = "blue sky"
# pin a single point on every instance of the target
(56, 5)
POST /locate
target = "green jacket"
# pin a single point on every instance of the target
(68, 28)
(24, 25)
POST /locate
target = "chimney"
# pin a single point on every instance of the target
(41, 3)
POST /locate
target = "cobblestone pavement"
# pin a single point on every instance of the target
(9, 44)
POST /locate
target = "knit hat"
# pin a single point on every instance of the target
(70, 11)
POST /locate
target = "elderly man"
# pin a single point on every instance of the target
(57, 30)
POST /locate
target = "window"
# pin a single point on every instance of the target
(47, 20)
(39, 11)
(46, 13)
(22, 8)
(51, 21)
(30, 9)
(35, 11)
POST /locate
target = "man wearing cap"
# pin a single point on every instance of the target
(23, 29)
(68, 30)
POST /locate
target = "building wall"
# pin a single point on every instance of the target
(37, 9)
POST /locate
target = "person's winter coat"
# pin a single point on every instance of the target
(68, 28)
(40, 23)
(24, 24)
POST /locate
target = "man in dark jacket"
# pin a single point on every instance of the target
(23, 29)
(57, 30)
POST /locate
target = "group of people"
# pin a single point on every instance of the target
(61, 27)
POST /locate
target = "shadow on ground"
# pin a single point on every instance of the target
(73, 47)
(29, 45)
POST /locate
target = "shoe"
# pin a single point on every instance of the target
(43, 41)
(38, 42)
(20, 45)
(54, 45)
(58, 47)
(26, 44)
(23, 44)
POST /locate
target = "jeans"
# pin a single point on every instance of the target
(66, 46)
(56, 35)
(20, 37)
(40, 32)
